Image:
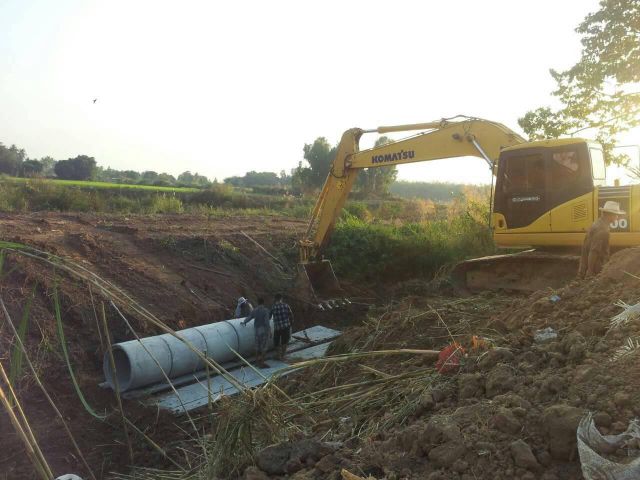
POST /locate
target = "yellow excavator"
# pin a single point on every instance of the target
(547, 194)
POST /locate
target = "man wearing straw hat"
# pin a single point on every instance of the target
(595, 249)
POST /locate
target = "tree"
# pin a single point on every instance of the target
(11, 159)
(193, 179)
(48, 164)
(255, 179)
(600, 91)
(377, 180)
(81, 167)
(186, 178)
(31, 168)
(129, 176)
(149, 177)
(200, 180)
(164, 180)
(320, 155)
(300, 178)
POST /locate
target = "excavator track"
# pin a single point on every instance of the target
(526, 271)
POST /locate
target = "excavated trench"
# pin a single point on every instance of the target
(188, 271)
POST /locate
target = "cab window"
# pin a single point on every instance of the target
(524, 173)
(566, 169)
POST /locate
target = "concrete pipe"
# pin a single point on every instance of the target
(140, 363)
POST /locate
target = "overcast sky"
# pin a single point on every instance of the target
(220, 88)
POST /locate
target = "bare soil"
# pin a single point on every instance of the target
(186, 270)
(509, 412)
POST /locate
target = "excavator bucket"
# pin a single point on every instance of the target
(321, 279)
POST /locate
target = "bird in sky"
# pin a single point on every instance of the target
(95, 100)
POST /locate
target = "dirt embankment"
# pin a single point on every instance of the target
(186, 270)
(510, 412)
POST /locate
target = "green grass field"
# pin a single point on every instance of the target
(89, 184)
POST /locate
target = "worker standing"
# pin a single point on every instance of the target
(595, 249)
(261, 315)
(282, 321)
(243, 308)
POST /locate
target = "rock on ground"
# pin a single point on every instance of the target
(447, 454)
(289, 457)
(560, 425)
(523, 456)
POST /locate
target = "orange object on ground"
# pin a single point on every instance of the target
(449, 358)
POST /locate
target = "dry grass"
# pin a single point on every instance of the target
(353, 394)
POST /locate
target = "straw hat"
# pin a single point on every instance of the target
(612, 207)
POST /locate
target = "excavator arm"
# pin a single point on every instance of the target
(437, 140)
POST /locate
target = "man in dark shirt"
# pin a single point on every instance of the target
(282, 320)
(595, 249)
(261, 315)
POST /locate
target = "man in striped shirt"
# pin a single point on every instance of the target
(282, 320)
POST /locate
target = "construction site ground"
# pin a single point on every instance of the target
(509, 410)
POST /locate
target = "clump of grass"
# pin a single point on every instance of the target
(629, 349)
(358, 210)
(165, 203)
(244, 424)
(15, 372)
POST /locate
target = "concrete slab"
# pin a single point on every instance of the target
(317, 351)
(196, 390)
(317, 334)
(197, 395)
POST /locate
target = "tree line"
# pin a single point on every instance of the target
(319, 155)
(14, 162)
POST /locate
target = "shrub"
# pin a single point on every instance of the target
(165, 203)
(418, 210)
(389, 210)
(378, 252)
(358, 210)
(299, 210)
(214, 196)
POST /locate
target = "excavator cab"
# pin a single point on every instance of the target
(537, 181)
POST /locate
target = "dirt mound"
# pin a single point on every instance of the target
(623, 265)
(511, 411)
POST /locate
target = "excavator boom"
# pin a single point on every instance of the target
(447, 138)
(440, 140)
